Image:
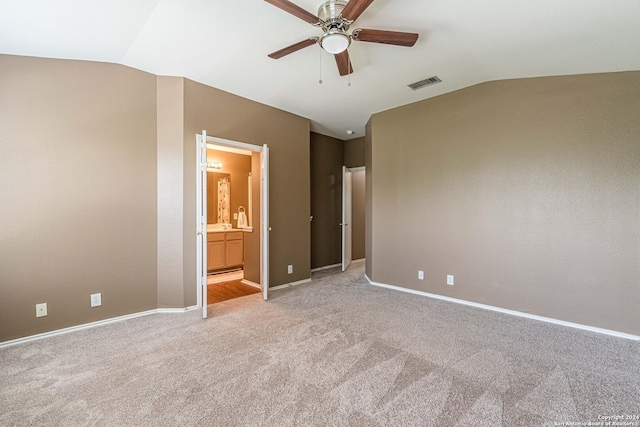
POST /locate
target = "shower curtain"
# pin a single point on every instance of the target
(224, 205)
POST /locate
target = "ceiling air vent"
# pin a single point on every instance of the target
(424, 83)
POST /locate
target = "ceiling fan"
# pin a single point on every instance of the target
(335, 17)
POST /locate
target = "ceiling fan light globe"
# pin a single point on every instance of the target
(335, 42)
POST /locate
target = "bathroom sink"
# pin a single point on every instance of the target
(218, 227)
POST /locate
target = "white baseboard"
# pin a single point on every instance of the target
(507, 311)
(93, 325)
(250, 283)
(288, 285)
(176, 310)
(326, 267)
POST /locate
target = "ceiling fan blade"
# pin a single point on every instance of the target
(386, 37)
(293, 48)
(295, 10)
(344, 63)
(354, 8)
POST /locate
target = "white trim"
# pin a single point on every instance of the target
(288, 285)
(357, 261)
(176, 310)
(201, 221)
(507, 311)
(326, 267)
(236, 146)
(265, 229)
(94, 324)
(358, 169)
(250, 283)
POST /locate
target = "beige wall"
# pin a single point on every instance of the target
(170, 107)
(97, 164)
(528, 191)
(77, 193)
(327, 158)
(228, 116)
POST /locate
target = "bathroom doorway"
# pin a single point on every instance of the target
(232, 210)
(228, 219)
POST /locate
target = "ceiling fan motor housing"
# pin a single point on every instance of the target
(335, 38)
(329, 13)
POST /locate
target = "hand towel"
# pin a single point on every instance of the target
(242, 218)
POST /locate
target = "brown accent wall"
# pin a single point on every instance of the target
(357, 214)
(228, 116)
(528, 191)
(78, 193)
(354, 156)
(327, 158)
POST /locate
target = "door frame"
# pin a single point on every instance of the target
(346, 218)
(347, 235)
(201, 220)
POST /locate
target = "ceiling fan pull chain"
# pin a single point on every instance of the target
(320, 81)
(350, 70)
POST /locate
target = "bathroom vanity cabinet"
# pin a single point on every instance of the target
(224, 250)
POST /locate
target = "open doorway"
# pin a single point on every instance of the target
(229, 220)
(352, 222)
(232, 208)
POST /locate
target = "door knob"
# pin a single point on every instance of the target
(269, 228)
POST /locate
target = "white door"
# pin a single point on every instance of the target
(346, 218)
(201, 220)
(264, 221)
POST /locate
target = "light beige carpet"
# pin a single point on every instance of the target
(334, 352)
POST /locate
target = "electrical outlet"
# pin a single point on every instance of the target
(290, 269)
(41, 309)
(96, 300)
(235, 215)
(420, 275)
(450, 279)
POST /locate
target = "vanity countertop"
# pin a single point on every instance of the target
(224, 231)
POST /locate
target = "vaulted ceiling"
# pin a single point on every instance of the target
(225, 44)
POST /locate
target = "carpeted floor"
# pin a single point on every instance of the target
(334, 352)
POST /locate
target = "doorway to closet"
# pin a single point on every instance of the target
(352, 222)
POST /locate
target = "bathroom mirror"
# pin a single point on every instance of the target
(218, 198)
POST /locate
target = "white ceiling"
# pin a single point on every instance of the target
(224, 43)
